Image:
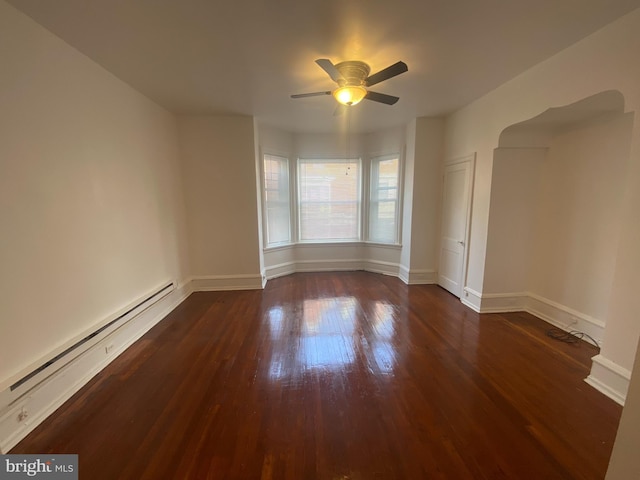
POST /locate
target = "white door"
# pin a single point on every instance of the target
(456, 207)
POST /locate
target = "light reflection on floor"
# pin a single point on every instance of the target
(382, 348)
(329, 334)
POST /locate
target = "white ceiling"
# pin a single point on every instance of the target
(248, 56)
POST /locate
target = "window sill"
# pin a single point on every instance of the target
(288, 246)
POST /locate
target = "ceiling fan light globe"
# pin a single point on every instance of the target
(349, 95)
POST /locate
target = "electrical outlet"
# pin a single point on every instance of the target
(108, 348)
(23, 415)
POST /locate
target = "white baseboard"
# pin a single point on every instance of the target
(31, 404)
(503, 302)
(609, 378)
(281, 269)
(403, 274)
(423, 277)
(471, 299)
(213, 283)
(564, 317)
(552, 312)
(606, 376)
(384, 268)
(329, 265)
(417, 276)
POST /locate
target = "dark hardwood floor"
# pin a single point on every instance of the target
(338, 376)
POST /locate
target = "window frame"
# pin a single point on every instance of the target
(359, 199)
(365, 187)
(373, 175)
(265, 209)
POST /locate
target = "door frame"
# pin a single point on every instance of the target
(471, 160)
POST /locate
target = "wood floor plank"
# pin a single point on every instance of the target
(338, 376)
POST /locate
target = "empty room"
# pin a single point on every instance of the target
(332, 240)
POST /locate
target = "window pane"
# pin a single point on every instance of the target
(278, 225)
(329, 199)
(276, 200)
(383, 206)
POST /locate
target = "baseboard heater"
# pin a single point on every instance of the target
(146, 303)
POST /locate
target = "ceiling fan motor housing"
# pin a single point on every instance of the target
(353, 79)
(354, 72)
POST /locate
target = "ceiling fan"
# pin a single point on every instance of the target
(353, 79)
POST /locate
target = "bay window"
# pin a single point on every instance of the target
(331, 203)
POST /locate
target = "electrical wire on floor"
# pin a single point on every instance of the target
(572, 336)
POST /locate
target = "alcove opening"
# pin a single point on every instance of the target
(558, 181)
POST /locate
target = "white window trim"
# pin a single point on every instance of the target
(365, 163)
(400, 197)
(327, 158)
(265, 241)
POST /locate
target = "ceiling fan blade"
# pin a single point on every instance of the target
(332, 71)
(381, 98)
(387, 73)
(314, 94)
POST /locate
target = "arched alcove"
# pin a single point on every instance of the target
(555, 212)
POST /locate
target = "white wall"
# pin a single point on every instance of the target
(625, 461)
(385, 142)
(606, 60)
(275, 140)
(427, 190)
(328, 145)
(422, 189)
(218, 158)
(91, 203)
(407, 201)
(514, 199)
(603, 61)
(555, 213)
(257, 155)
(579, 215)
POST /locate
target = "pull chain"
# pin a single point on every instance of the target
(348, 113)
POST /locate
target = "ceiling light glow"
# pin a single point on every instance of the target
(350, 94)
